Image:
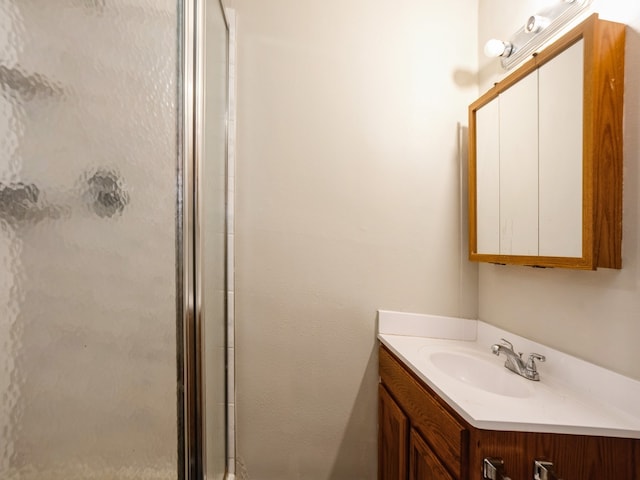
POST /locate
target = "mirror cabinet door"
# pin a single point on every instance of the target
(560, 153)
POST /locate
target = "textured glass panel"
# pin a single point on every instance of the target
(212, 261)
(88, 106)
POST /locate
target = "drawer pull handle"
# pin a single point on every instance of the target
(543, 470)
(493, 469)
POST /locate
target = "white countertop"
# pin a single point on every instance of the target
(572, 396)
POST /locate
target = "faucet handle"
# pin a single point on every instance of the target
(536, 356)
(532, 371)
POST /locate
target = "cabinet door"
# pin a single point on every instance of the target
(488, 178)
(519, 168)
(423, 464)
(560, 163)
(393, 431)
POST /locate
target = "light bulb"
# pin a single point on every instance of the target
(497, 48)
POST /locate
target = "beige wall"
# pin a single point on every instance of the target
(347, 201)
(593, 315)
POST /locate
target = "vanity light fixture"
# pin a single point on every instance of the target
(536, 31)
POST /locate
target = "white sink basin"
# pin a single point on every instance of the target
(453, 357)
(472, 369)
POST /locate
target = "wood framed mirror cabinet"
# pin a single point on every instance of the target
(545, 156)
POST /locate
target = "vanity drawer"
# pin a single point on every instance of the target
(446, 436)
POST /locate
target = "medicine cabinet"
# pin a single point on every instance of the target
(545, 156)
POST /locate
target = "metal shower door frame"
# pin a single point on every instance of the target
(191, 380)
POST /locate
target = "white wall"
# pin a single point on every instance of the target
(593, 315)
(347, 201)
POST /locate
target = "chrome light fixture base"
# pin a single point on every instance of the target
(540, 28)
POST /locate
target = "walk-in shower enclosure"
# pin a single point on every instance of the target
(112, 239)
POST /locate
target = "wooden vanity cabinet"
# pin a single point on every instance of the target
(575, 457)
(545, 156)
(421, 438)
(393, 435)
(402, 451)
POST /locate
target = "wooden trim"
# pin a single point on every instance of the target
(533, 261)
(472, 182)
(567, 40)
(588, 137)
(608, 94)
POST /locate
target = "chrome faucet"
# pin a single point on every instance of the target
(515, 363)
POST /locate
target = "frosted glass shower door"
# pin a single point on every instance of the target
(90, 301)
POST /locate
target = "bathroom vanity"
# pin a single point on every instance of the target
(448, 410)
